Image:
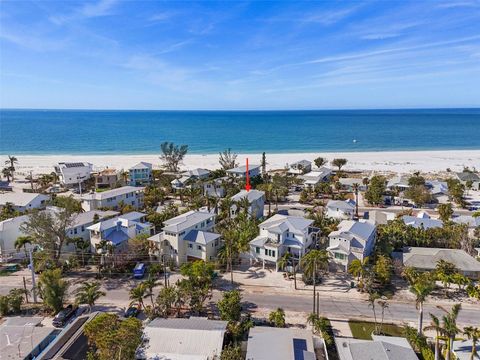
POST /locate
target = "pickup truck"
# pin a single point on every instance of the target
(64, 316)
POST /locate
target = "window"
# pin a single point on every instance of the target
(257, 250)
(75, 231)
(190, 246)
(273, 253)
(199, 247)
(266, 252)
(340, 256)
(83, 228)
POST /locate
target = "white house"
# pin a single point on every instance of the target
(300, 167)
(10, 230)
(398, 182)
(194, 338)
(81, 222)
(281, 234)
(315, 177)
(422, 220)
(379, 348)
(256, 200)
(140, 174)
(112, 199)
(339, 209)
(72, 174)
(188, 177)
(188, 237)
(215, 187)
(241, 171)
(349, 183)
(352, 240)
(118, 230)
(23, 201)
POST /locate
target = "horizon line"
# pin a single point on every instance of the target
(240, 110)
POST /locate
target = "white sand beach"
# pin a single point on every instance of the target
(392, 161)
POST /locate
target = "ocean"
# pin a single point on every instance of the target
(47, 132)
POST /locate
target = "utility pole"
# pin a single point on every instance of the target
(34, 286)
(31, 179)
(318, 304)
(25, 288)
(314, 282)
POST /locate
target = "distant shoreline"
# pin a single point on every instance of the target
(383, 161)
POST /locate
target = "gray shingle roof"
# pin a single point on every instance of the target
(427, 258)
(471, 221)
(344, 206)
(466, 176)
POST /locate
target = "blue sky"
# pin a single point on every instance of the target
(112, 54)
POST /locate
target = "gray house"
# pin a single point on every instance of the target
(256, 199)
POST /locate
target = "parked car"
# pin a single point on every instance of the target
(132, 311)
(64, 316)
(139, 271)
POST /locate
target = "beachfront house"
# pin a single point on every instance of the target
(140, 174)
(188, 178)
(114, 199)
(352, 240)
(188, 237)
(215, 187)
(469, 177)
(426, 259)
(282, 234)
(73, 174)
(240, 172)
(422, 220)
(23, 201)
(315, 177)
(256, 203)
(349, 184)
(399, 182)
(118, 230)
(300, 167)
(106, 179)
(340, 210)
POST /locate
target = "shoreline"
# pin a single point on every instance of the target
(381, 161)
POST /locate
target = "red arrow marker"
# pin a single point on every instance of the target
(247, 185)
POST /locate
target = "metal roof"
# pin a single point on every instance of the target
(193, 338)
(251, 195)
(20, 198)
(201, 237)
(281, 223)
(359, 229)
(112, 193)
(184, 221)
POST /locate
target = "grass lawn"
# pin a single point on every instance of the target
(363, 329)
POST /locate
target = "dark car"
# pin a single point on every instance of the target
(64, 316)
(132, 311)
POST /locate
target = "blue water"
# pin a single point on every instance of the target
(141, 132)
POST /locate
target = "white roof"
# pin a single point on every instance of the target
(341, 205)
(251, 195)
(242, 169)
(266, 343)
(280, 223)
(87, 216)
(187, 220)
(112, 193)
(471, 221)
(359, 229)
(381, 348)
(421, 222)
(20, 198)
(182, 339)
(198, 172)
(314, 177)
(125, 219)
(141, 165)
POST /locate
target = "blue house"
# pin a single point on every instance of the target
(140, 174)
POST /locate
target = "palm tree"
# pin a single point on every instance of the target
(473, 333)
(82, 245)
(225, 207)
(88, 293)
(436, 326)
(7, 172)
(311, 262)
(355, 187)
(12, 160)
(244, 204)
(137, 294)
(284, 261)
(383, 305)
(277, 317)
(372, 297)
(358, 267)
(149, 284)
(23, 241)
(449, 326)
(421, 287)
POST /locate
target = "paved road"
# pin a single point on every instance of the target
(265, 297)
(356, 308)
